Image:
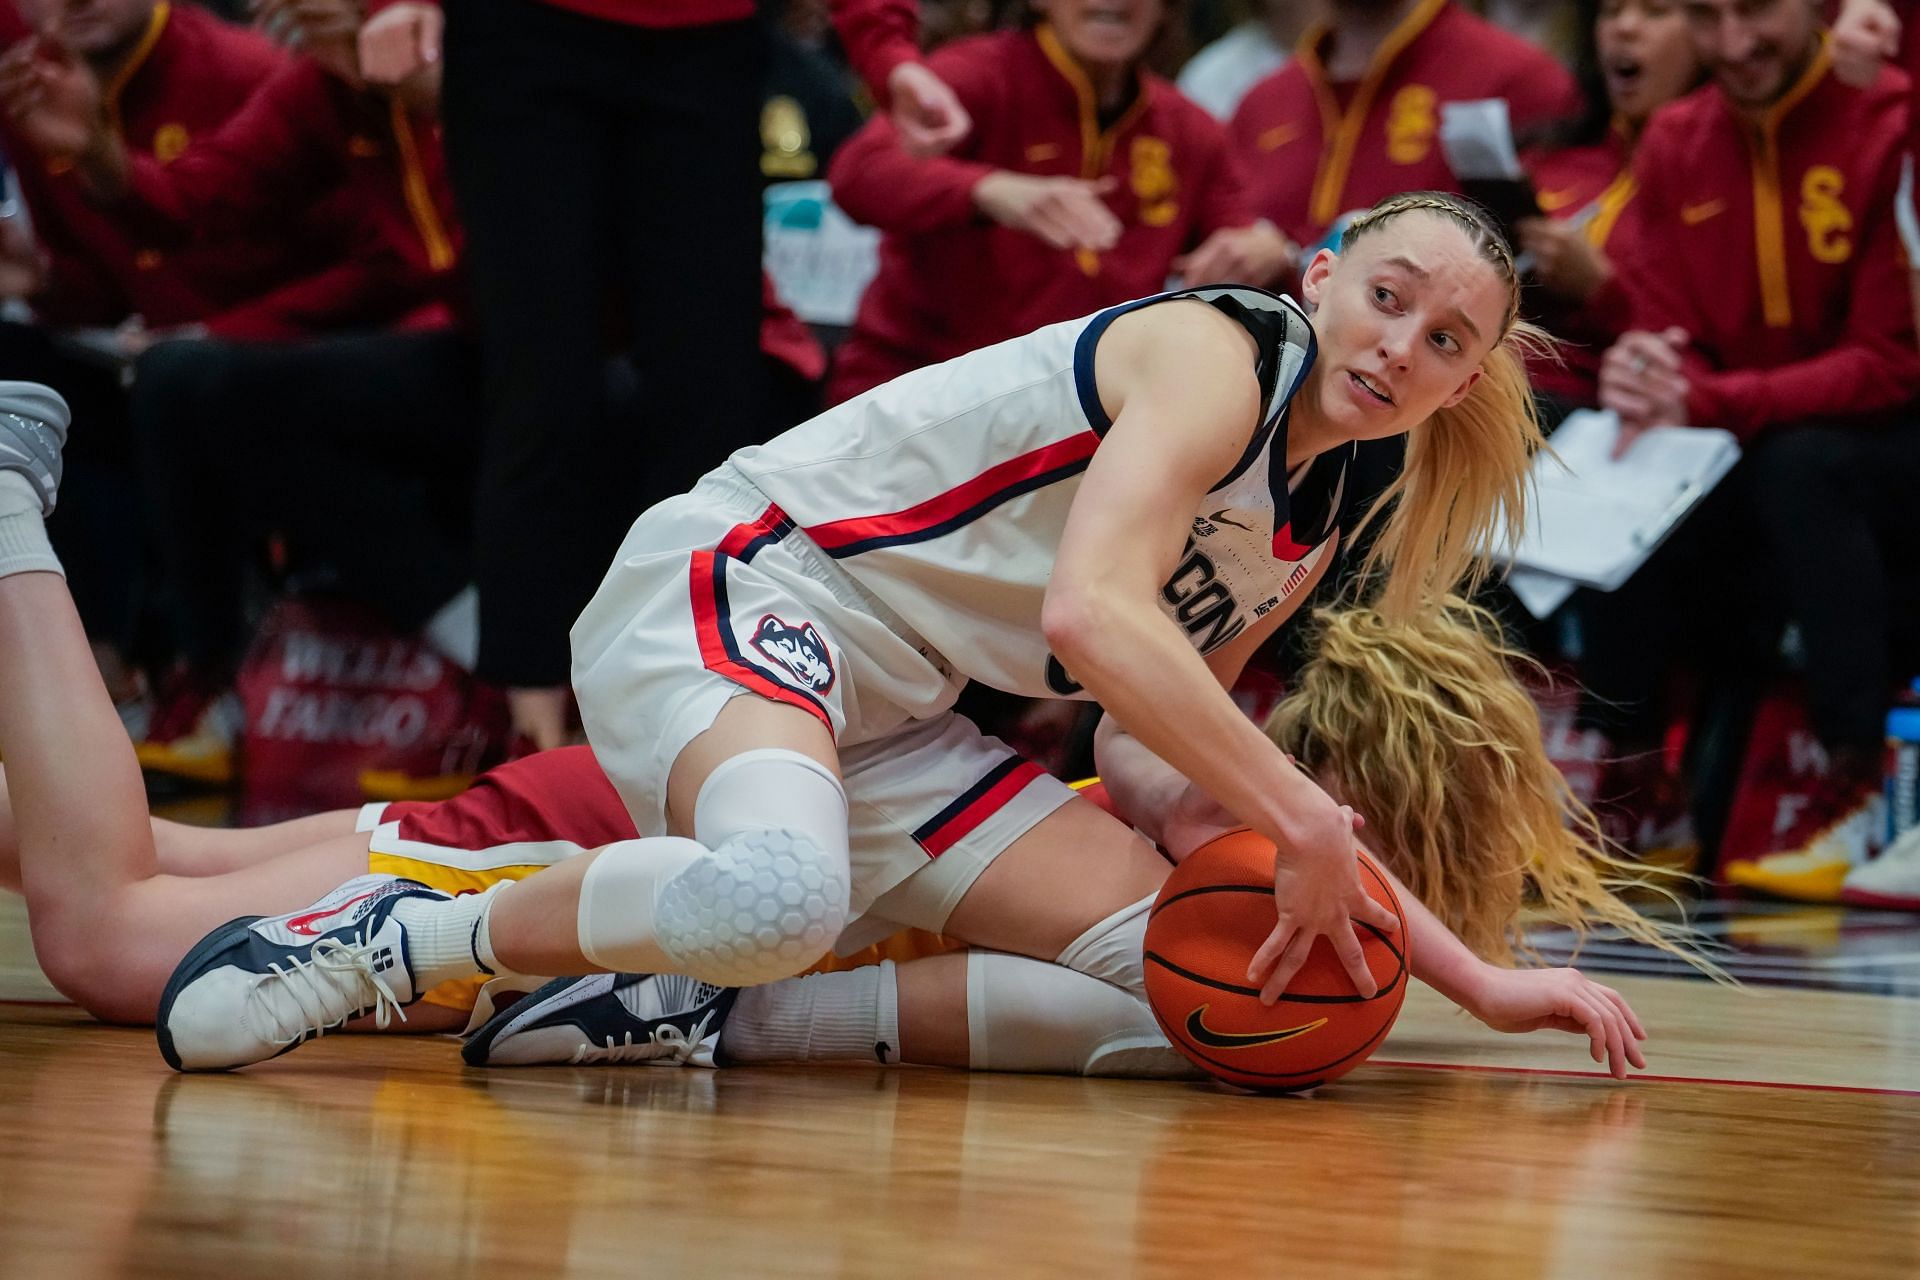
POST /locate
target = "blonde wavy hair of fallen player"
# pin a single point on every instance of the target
(1463, 490)
(1423, 728)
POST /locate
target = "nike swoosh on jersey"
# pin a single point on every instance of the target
(1220, 517)
(1694, 214)
(1201, 1033)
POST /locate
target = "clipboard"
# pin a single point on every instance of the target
(1594, 520)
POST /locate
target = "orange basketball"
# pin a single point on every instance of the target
(1211, 916)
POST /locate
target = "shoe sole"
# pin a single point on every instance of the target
(1885, 901)
(189, 965)
(474, 1052)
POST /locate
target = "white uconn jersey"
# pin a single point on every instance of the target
(944, 493)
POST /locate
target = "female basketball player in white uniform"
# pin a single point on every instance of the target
(1050, 515)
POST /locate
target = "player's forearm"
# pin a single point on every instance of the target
(1143, 787)
(1434, 954)
(1142, 670)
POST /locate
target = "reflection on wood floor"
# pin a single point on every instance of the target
(383, 1156)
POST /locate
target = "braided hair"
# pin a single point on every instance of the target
(1463, 489)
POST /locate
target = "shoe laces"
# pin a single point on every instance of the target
(336, 983)
(666, 1044)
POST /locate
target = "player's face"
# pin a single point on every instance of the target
(1404, 319)
(1646, 55)
(1753, 48)
(1104, 33)
(92, 28)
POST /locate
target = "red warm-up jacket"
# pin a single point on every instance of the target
(1772, 243)
(1314, 148)
(950, 280)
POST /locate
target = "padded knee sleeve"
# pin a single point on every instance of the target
(758, 896)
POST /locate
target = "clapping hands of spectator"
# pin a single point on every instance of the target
(1642, 380)
(52, 97)
(1257, 255)
(1865, 35)
(1564, 263)
(926, 113)
(1067, 213)
(400, 41)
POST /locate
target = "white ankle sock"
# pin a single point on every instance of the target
(23, 533)
(450, 939)
(826, 1017)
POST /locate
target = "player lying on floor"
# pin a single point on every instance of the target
(1420, 723)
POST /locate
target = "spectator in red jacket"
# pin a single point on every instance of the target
(1644, 55)
(167, 74)
(1355, 115)
(1770, 300)
(170, 73)
(353, 446)
(1086, 181)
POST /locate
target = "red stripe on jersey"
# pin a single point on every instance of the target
(945, 506)
(958, 827)
(1284, 547)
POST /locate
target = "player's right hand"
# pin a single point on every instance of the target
(399, 41)
(1068, 213)
(1316, 886)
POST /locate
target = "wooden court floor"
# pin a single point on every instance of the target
(1778, 1135)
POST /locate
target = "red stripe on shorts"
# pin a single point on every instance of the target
(989, 802)
(706, 583)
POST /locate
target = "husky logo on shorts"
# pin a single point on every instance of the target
(800, 651)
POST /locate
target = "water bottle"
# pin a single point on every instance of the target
(1903, 763)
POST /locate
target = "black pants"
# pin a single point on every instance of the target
(1814, 525)
(96, 528)
(358, 449)
(598, 162)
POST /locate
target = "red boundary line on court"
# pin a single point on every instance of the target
(1600, 1075)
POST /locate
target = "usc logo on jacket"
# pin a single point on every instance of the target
(1828, 222)
(1151, 163)
(1411, 124)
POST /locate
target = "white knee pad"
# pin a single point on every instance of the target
(1029, 1015)
(758, 896)
(1084, 1014)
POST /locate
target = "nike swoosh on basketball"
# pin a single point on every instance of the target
(1203, 1034)
(304, 924)
(1220, 517)
(1694, 214)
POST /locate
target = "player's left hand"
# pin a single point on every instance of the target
(927, 114)
(1256, 255)
(1520, 1000)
